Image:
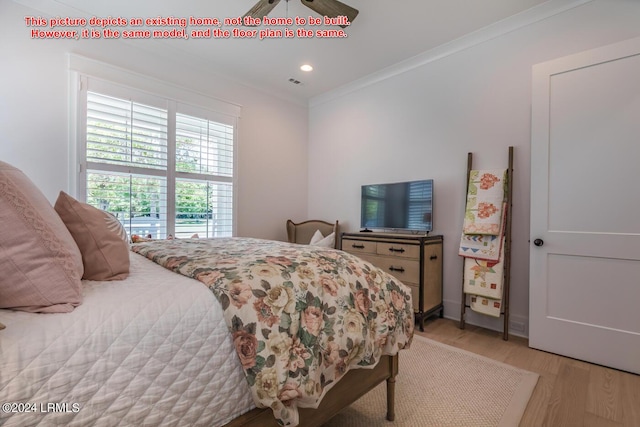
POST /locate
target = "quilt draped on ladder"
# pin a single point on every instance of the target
(482, 240)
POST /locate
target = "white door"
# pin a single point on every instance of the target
(585, 207)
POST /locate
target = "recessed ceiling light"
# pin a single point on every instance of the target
(306, 67)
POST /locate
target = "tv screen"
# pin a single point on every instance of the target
(399, 206)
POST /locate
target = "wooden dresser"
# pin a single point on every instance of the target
(415, 260)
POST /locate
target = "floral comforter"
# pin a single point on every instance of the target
(301, 316)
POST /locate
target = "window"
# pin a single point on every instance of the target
(161, 167)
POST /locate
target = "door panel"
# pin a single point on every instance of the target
(590, 277)
(594, 148)
(585, 205)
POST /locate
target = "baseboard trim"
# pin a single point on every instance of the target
(452, 311)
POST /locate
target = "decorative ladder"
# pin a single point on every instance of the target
(507, 249)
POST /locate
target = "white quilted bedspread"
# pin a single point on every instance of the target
(151, 350)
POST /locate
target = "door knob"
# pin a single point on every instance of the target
(538, 242)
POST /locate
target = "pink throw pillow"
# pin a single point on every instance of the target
(100, 237)
(40, 262)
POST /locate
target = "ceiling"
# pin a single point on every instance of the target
(383, 34)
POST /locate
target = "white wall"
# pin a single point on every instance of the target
(34, 133)
(422, 123)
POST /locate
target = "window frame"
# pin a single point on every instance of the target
(175, 100)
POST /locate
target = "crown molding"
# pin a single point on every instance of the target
(500, 28)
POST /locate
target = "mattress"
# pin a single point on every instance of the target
(150, 350)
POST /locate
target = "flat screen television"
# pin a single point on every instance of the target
(398, 206)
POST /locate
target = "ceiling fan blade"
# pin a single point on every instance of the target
(261, 9)
(331, 8)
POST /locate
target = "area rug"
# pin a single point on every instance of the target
(441, 386)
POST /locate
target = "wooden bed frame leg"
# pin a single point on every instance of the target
(391, 398)
(391, 389)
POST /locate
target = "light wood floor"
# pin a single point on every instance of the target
(569, 392)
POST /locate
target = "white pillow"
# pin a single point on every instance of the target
(326, 242)
(317, 236)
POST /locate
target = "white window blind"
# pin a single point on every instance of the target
(204, 208)
(130, 172)
(203, 146)
(125, 132)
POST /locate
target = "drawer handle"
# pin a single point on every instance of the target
(392, 249)
(400, 270)
(357, 246)
(433, 257)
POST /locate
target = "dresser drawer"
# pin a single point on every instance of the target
(405, 270)
(432, 297)
(401, 250)
(358, 246)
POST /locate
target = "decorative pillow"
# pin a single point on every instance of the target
(136, 238)
(319, 240)
(40, 262)
(100, 236)
(317, 236)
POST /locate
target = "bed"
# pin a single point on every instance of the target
(155, 348)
